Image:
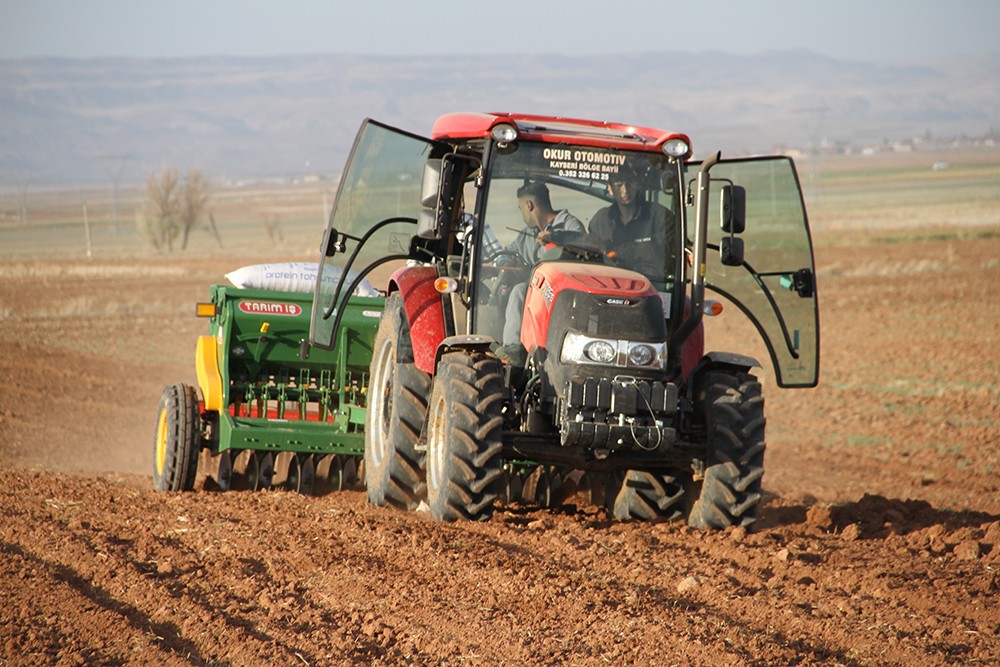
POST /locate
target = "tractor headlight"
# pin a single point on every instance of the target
(677, 148)
(600, 351)
(504, 133)
(580, 349)
(640, 354)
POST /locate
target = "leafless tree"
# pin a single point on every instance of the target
(194, 198)
(172, 208)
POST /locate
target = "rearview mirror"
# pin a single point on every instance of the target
(430, 184)
(438, 190)
(731, 251)
(733, 209)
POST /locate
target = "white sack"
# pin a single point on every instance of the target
(292, 277)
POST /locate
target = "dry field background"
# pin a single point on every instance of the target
(878, 543)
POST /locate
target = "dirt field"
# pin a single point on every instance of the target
(878, 543)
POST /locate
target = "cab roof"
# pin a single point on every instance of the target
(457, 127)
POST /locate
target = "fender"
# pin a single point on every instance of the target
(206, 363)
(424, 311)
(465, 342)
(740, 362)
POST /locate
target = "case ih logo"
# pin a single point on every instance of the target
(617, 301)
(268, 308)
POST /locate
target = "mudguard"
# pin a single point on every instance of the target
(730, 360)
(464, 342)
(424, 311)
(207, 369)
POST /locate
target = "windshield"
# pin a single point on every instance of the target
(381, 182)
(776, 285)
(622, 206)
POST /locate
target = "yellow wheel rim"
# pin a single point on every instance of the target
(161, 443)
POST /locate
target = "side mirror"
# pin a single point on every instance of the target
(733, 209)
(731, 251)
(430, 184)
(437, 195)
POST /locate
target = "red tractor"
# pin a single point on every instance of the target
(605, 374)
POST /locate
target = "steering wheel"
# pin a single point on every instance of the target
(516, 261)
(579, 245)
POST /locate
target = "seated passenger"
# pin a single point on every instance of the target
(535, 205)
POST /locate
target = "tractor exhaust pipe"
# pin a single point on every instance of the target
(700, 239)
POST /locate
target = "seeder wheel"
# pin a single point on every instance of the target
(177, 440)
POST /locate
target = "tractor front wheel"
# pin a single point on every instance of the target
(177, 440)
(733, 408)
(397, 407)
(464, 437)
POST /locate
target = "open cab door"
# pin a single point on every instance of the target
(372, 223)
(764, 263)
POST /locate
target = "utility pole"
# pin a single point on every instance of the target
(115, 173)
(22, 191)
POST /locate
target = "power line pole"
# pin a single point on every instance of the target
(22, 192)
(115, 173)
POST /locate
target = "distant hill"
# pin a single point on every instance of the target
(286, 116)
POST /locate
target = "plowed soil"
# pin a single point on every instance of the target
(878, 542)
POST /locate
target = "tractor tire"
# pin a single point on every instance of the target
(464, 473)
(397, 408)
(637, 495)
(733, 408)
(177, 439)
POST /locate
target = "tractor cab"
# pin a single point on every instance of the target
(451, 203)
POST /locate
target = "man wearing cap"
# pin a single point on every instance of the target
(642, 234)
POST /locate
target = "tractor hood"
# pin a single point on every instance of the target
(608, 301)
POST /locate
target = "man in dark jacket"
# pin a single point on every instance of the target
(641, 234)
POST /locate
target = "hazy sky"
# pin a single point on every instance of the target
(883, 31)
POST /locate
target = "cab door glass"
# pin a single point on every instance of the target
(381, 182)
(775, 286)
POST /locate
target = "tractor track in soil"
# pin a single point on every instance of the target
(878, 541)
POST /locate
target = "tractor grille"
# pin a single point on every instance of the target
(616, 414)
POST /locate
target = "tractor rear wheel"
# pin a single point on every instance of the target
(643, 496)
(464, 471)
(177, 440)
(397, 408)
(733, 409)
